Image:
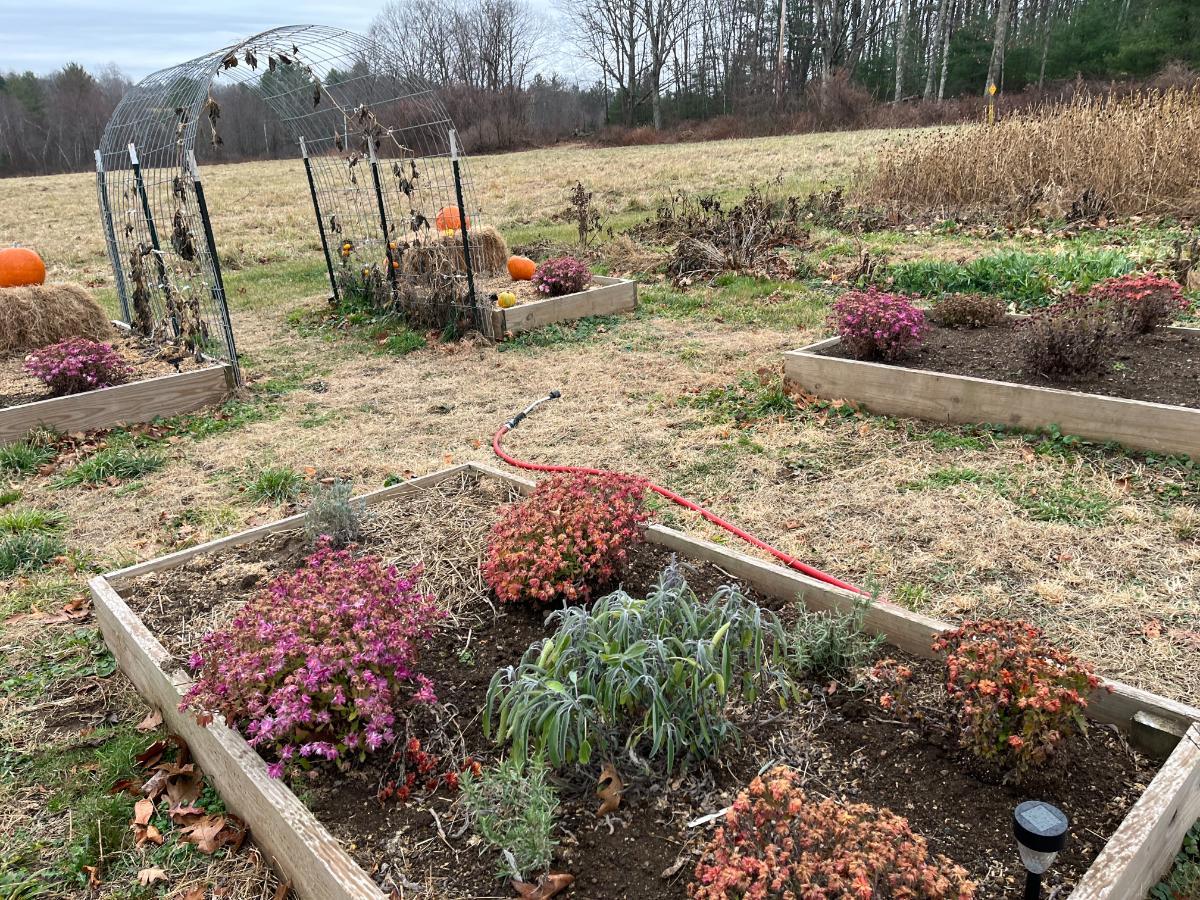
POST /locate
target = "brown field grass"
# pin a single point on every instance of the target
(1116, 155)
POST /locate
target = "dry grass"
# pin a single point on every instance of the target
(262, 212)
(1131, 155)
(42, 314)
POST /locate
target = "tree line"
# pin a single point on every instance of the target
(731, 66)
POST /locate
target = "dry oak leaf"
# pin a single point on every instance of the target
(75, 610)
(196, 893)
(147, 877)
(548, 886)
(205, 833)
(147, 834)
(93, 874)
(151, 754)
(142, 811)
(609, 790)
(153, 720)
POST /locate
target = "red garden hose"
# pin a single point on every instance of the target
(789, 561)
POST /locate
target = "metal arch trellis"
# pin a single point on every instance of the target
(382, 168)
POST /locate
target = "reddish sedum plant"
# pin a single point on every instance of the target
(778, 842)
(1141, 303)
(1017, 695)
(321, 663)
(572, 535)
(561, 275)
(875, 325)
(77, 365)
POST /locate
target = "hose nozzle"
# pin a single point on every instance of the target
(516, 420)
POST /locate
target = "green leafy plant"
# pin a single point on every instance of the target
(651, 676)
(967, 311)
(1183, 882)
(1017, 696)
(512, 806)
(331, 513)
(119, 463)
(275, 484)
(777, 842)
(825, 645)
(29, 539)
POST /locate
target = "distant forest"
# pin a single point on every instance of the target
(683, 69)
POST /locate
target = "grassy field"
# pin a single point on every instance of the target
(1100, 547)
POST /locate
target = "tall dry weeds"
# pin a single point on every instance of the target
(1125, 155)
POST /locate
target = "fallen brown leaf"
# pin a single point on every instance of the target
(93, 874)
(196, 893)
(548, 885)
(75, 610)
(153, 720)
(147, 877)
(609, 790)
(205, 833)
(147, 834)
(151, 754)
(156, 784)
(184, 789)
(142, 812)
(281, 892)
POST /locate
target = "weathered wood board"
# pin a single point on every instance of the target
(897, 391)
(616, 295)
(316, 865)
(138, 401)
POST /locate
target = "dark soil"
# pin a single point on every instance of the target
(1160, 367)
(145, 359)
(847, 746)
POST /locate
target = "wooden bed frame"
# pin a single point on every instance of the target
(319, 868)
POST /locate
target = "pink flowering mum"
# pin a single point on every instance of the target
(875, 325)
(77, 365)
(320, 664)
(561, 275)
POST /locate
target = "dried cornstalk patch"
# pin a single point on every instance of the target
(1116, 155)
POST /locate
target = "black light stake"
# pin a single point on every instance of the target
(1041, 831)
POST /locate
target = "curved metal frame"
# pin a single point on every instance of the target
(377, 148)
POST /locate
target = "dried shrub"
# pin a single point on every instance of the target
(967, 311)
(321, 663)
(77, 365)
(572, 535)
(561, 275)
(1076, 336)
(38, 315)
(1122, 154)
(712, 239)
(1017, 695)
(875, 325)
(1141, 303)
(778, 842)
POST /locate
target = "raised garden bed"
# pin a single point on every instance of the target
(158, 388)
(342, 842)
(605, 297)
(1150, 401)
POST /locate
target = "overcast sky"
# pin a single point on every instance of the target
(143, 36)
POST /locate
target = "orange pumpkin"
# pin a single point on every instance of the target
(521, 268)
(20, 266)
(448, 219)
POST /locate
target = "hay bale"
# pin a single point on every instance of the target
(489, 246)
(444, 255)
(41, 314)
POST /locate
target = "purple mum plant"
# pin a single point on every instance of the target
(77, 365)
(561, 275)
(321, 664)
(876, 325)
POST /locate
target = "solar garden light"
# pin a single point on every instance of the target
(1041, 831)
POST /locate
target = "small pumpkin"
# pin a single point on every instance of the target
(506, 300)
(448, 219)
(20, 266)
(521, 268)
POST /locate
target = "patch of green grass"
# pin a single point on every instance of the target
(1068, 502)
(750, 397)
(397, 340)
(29, 540)
(275, 485)
(230, 415)
(910, 596)
(8, 498)
(742, 300)
(61, 656)
(1028, 280)
(948, 477)
(45, 591)
(120, 462)
(948, 440)
(561, 334)
(23, 458)
(266, 286)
